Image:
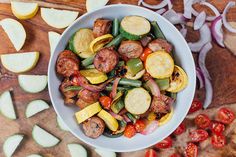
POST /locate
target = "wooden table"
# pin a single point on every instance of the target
(220, 62)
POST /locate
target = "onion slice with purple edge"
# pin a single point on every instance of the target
(157, 6)
(150, 128)
(161, 11)
(126, 119)
(205, 37)
(188, 8)
(200, 77)
(217, 32)
(209, 93)
(114, 87)
(200, 20)
(173, 17)
(212, 7)
(152, 85)
(116, 116)
(226, 24)
(183, 30)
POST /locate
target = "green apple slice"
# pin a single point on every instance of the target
(33, 83)
(11, 144)
(20, 62)
(15, 31)
(35, 107)
(6, 105)
(105, 153)
(53, 38)
(92, 5)
(77, 150)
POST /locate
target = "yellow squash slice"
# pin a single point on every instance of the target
(100, 42)
(94, 76)
(166, 118)
(110, 121)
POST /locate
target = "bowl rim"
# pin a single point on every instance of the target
(49, 82)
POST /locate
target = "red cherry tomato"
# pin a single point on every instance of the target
(225, 115)
(217, 128)
(175, 155)
(139, 125)
(150, 153)
(191, 150)
(145, 53)
(105, 101)
(202, 121)
(181, 128)
(198, 135)
(166, 143)
(129, 131)
(196, 105)
(218, 141)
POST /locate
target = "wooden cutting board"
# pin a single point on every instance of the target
(220, 62)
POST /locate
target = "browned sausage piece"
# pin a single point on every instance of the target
(106, 60)
(88, 96)
(82, 104)
(146, 40)
(68, 54)
(94, 127)
(130, 49)
(161, 104)
(101, 27)
(160, 44)
(66, 66)
(67, 94)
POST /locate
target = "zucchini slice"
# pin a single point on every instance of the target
(6, 105)
(134, 27)
(35, 107)
(43, 138)
(137, 101)
(77, 150)
(80, 41)
(11, 144)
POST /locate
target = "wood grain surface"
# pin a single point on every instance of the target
(220, 62)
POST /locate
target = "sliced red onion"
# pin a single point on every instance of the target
(116, 116)
(226, 24)
(188, 7)
(200, 20)
(205, 37)
(200, 77)
(150, 128)
(114, 87)
(157, 6)
(140, 2)
(173, 17)
(217, 32)
(183, 31)
(126, 119)
(202, 59)
(152, 85)
(209, 93)
(161, 11)
(170, 5)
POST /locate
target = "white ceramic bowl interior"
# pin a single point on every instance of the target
(183, 57)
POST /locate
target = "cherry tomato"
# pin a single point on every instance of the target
(129, 131)
(105, 101)
(217, 128)
(175, 155)
(202, 121)
(139, 125)
(225, 115)
(181, 128)
(218, 141)
(198, 135)
(150, 153)
(166, 143)
(196, 105)
(191, 150)
(145, 53)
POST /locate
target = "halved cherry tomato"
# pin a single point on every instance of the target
(175, 155)
(225, 115)
(139, 125)
(145, 53)
(217, 128)
(166, 143)
(198, 135)
(191, 150)
(105, 102)
(202, 121)
(129, 131)
(196, 105)
(150, 153)
(181, 128)
(218, 141)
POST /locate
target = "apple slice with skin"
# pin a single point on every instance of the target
(105, 153)
(15, 31)
(20, 62)
(53, 38)
(58, 18)
(6, 105)
(77, 150)
(11, 144)
(92, 5)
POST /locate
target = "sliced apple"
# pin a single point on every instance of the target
(35, 107)
(53, 38)
(6, 105)
(92, 5)
(15, 31)
(77, 150)
(20, 62)
(58, 18)
(24, 10)
(105, 153)
(11, 144)
(33, 83)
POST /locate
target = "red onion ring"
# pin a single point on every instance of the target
(114, 87)
(217, 32)
(226, 24)
(199, 21)
(174, 17)
(157, 6)
(150, 128)
(200, 77)
(152, 85)
(161, 11)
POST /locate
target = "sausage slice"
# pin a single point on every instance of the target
(101, 27)
(161, 104)
(68, 54)
(106, 59)
(94, 127)
(67, 94)
(160, 44)
(130, 49)
(88, 96)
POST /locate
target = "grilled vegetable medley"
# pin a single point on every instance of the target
(122, 76)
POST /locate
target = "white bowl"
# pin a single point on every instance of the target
(183, 57)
